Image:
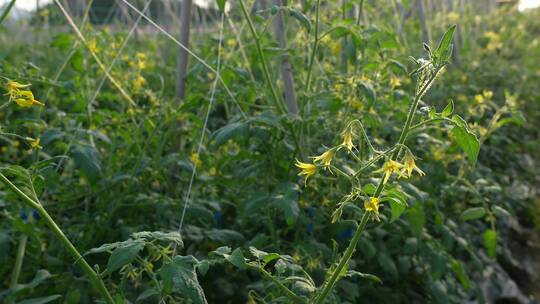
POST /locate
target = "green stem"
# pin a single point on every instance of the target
(7, 10)
(294, 297)
(329, 284)
(428, 121)
(277, 101)
(397, 148)
(94, 277)
(21, 248)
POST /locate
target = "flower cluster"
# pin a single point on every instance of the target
(21, 95)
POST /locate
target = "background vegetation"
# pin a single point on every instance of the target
(122, 156)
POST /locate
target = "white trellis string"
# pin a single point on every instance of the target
(96, 58)
(124, 43)
(202, 61)
(201, 139)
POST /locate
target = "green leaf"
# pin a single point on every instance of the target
(230, 131)
(500, 211)
(41, 276)
(222, 251)
(367, 276)
(397, 206)
(237, 258)
(449, 109)
(304, 21)
(416, 218)
(124, 254)
(88, 159)
(147, 294)
(387, 264)
(473, 213)
(42, 300)
(490, 242)
(180, 277)
(443, 52)
(466, 139)
(77, 62)
(438, 266)
(62, 41)
(221, 5)
(286, 199)
(460, 273)
(368, 90)
(169, 237)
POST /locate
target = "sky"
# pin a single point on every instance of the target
(31, 4)
(26, 4)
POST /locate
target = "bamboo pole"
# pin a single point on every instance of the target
(183, 56)
(286, 68)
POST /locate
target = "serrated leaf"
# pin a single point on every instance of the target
(230, 131)
(170, 237)
(473, 213)
(444, 50)
(467, 141)
(449, 109)
(286, 199)
(397, 207)
(88, 159)
(237, 258)
(222, 251)
(180, 277)
(124, 254)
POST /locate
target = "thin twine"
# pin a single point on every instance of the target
(204, 63)
(124, 43)
(201, 139)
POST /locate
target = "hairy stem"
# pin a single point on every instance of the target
(329, 284)
(291, 295)
(275, 97)
(79, 259)
(21, 248)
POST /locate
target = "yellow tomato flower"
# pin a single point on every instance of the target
(487, 94)
(479, 98)
(394, 82)
(138, 82)
(347, 138)
(306, 169)
(195, 160)
(372, 205)
(92, 46)
(26, 99)
(325, 158)
(313, 264)
(14, 88)
(13, 85)
(390, 167)
(34, 143)
(410, 166)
